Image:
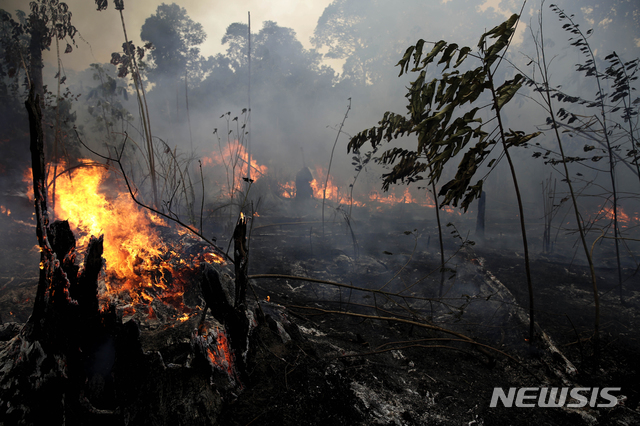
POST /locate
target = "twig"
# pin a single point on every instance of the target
(326, 182)
(133, 197)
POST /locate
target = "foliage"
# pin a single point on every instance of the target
(276, 54)
(442, 116)
(104, 102)
(51, 18)
(174, 37)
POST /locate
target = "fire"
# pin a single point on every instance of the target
(220, 356)
(234, 159)
(374, 199)
(288, 189)
(130, 239)
(391, 198)
(333, 191)
(139, 264)
(5, 210)
(606, 212)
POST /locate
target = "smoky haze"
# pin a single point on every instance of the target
(308, 65)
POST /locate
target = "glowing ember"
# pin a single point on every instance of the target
(5, 210)
(220, 356)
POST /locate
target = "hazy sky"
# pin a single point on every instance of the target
(103, 30)
(100, 33)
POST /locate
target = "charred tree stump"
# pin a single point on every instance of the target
(233, 319)
(36, 146)
(230, 313)
(240, 260)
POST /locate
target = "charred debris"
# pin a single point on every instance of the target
(329, 333)
(370, 314)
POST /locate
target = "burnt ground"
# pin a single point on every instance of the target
(312, 367)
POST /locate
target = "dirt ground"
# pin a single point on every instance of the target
(348, 368)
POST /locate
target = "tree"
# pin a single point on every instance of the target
(443, 114)
(174, 37)
(367, 34)
(105, 105)
(22, 44)
(283, 71)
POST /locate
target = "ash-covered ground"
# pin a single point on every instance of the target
(335, 352)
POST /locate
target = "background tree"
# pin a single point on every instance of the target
(174, 58)
(444, 115)
(105, 103)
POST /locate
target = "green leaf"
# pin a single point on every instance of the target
(462, 55)
(447, 55)
(404, 62)
(434, 52)
(508, 90)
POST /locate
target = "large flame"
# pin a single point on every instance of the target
(138, 262)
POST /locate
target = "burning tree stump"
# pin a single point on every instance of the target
(75, 363)
(231, 314)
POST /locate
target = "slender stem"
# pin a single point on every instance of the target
(612, 163)
(442, 261)
(547, 98)
(144, 113)
(326, 182)
(523, 228)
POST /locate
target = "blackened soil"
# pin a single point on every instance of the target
(339, 369)
(564, 308)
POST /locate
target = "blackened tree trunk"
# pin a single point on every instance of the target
(35, 52)
(42, 218)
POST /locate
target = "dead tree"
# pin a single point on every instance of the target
(230, 313)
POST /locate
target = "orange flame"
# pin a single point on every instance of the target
(333, 191)
(131, 242)
(607, 212)
(221, 356)
(341, 196)
(288, 189)
(234, 159)
(138, 262)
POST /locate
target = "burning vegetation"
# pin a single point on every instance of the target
(189, 277)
